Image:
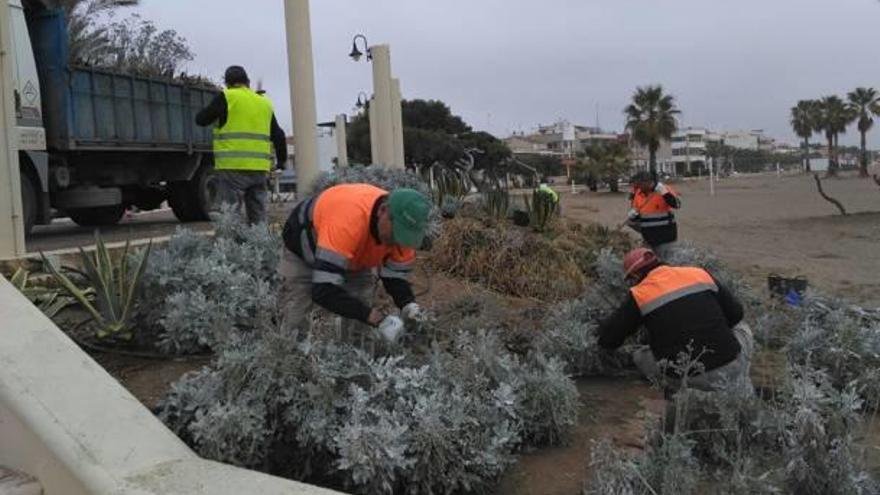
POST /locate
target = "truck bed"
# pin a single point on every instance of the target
(110, 110)
(97, 109)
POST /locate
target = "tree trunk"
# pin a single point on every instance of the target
(653, 161)
(832, 165)
(863, 166)
(807, 155)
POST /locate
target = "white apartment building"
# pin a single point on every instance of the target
(754, 140)
(562, 139)
(690, 153)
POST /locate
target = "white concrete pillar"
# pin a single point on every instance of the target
(397, 121)
(11, 217)
(374, 133)
(382, 101)
(341, 142)
(302, 93)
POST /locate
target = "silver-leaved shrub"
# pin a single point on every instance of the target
(449, 421)
(841, 339)
(197, 291)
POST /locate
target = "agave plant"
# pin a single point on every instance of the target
(496, 203)
(450, 184)
(115, 285)
(541, 208)
(49, 300)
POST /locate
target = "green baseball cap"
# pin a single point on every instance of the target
(409, 216)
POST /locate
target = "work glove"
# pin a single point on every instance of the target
(632, 215)
(412, 313)
(661, 189)
(390, 328)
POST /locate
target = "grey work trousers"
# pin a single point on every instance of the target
(237, 187)
(733, 374)
(296, 295)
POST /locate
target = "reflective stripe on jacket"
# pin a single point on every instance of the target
(665, 284)
(244, 142)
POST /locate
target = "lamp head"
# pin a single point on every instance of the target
(355, 54)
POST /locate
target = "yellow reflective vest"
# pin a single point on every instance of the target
(547, 190)
(244, 141)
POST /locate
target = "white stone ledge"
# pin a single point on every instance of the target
(68, 423)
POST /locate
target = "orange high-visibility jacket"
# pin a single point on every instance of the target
(653, 209)
(340, 220)
(665, 284)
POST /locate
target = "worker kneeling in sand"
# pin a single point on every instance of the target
(687, 314)
(336, 241)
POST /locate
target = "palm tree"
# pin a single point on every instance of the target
(650, 118)
(835, 117)
(605, 162)
(865, 103)
(803, 121)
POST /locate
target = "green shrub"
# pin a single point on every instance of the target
(542, 209)
(49, 300)
(115, 284)
(496, 203)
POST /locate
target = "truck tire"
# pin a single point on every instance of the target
(29, 204)
(94, 217)
(192, 200)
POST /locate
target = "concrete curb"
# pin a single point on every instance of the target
(71, 257)
(68, 423)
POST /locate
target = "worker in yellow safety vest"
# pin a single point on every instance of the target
(545, 189)
(245, 133)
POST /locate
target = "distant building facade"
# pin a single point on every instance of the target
(562, 139)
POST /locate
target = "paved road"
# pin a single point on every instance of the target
(63, 233)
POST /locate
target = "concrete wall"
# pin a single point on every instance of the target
(67, 422)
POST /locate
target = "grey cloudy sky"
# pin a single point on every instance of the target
(508, 65)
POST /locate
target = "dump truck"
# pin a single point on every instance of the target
(94, 142)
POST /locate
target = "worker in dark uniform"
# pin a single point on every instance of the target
(651, 210)
(686, 312)
(245, 133)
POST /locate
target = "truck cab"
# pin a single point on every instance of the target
(31, 143)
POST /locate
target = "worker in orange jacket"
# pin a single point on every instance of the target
(335, 244)
(687, 312)
(651, 210)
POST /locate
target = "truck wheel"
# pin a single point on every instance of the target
(94, 217)
(29, 204)
(192, 200)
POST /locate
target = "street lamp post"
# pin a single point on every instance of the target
(302, 93)
(11, 218)
(362, 100)
(382, 99)
(397, 121)
(382, 107)
(374, 132)
(341, 142)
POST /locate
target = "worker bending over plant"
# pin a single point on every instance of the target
(694, 324)
(335, 244)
